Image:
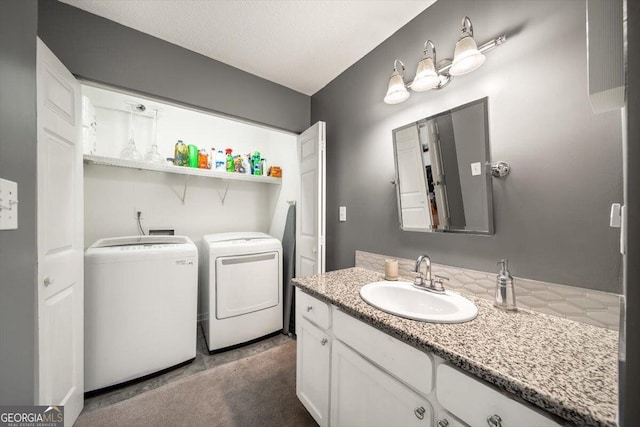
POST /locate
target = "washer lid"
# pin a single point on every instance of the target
(241, 235)
(140, 241)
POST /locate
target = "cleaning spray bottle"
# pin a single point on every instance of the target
(230, 166)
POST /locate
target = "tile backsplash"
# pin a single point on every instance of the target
(582, 305)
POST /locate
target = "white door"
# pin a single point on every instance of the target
(411, 180)
(312, 370)
(310, 217)
(363, 395)
(437, 170)
(60, 287)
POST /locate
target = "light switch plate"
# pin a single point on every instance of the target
(8, 205)
(343, 213)
(476, 169)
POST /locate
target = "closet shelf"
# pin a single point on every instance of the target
(180, 170)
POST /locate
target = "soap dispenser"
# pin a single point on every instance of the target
(505, 294)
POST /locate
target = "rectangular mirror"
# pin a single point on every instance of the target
(443, 172)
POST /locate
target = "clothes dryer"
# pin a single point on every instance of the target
(241, 279)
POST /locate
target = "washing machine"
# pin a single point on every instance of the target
(241, 280)
(140, 307)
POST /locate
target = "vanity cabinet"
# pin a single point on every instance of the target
(350, 373)
(364, 395)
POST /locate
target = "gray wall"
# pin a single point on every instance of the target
(630, 371)
(105, 51)
(551, 213)
(18, 21)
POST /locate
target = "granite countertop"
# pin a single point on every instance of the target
(567, 368)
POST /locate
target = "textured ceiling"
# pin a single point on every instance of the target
(300, 44)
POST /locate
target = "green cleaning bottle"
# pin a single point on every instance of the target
(193, 156)
(229, 164)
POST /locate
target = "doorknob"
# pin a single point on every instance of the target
(48, 281)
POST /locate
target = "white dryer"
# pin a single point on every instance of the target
(140, 307)
(241, 279)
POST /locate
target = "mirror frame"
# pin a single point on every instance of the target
(487, 171)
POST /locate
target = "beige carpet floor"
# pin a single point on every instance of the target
(257, 391)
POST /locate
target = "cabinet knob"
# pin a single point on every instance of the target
(48, 281)
(309, 307)
(494, 420)
(324, 341)
(419, 412)
(443, 422)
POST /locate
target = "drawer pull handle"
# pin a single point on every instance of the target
(443, 422)
(419, 412)
(309, 307)
(324, 341)
(494, 420)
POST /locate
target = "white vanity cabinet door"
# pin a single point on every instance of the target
(474, 402)
(312, 369)
(363, 395)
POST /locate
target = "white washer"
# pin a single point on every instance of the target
(140, 307)
(241, 279)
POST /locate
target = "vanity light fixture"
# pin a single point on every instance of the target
(430, 74)
(397, 91)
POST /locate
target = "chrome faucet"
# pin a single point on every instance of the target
(427, 283)
(421, 281)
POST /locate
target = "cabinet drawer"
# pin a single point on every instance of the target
(474, 402)
(312, 309)
(404, 362)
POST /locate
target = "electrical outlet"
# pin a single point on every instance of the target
(343, 213)
(135, 213)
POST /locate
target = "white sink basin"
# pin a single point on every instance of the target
(403, 299)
